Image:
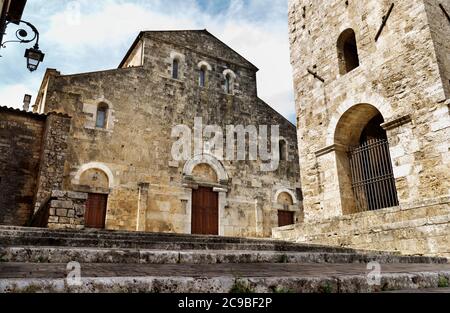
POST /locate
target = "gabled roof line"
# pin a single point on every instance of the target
(142, 33)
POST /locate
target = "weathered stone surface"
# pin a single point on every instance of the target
(66, 210)
(419, 229)
(411, 95)
(143, 256)
(20, 148)
(402, 75)
(32, 152)
(134, 148)
(258, 278)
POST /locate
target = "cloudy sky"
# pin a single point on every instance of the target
(87, 35)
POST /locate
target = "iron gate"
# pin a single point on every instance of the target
(373, 180)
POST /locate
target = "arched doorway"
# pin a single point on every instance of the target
(205, 202)
(96, 182)
(366, 177)
(285, 216)
(207, 178)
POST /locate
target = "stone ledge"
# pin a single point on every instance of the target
(162, 279)
(329, 149)
(397, 122)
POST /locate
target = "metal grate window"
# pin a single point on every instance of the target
(373, 179)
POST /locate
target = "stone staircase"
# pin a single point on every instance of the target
(416, 228)
(34, 259)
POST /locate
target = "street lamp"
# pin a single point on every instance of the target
(33, 55)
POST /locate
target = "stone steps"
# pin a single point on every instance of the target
(219, 278)
(19, 244)
(36, 260)
(143, 256)
(412, 230)
(19, 236)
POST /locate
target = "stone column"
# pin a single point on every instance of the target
(259, 218)
(142, 206)
(222, 205)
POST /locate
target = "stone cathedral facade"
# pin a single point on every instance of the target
(116, 170)
(372, 84)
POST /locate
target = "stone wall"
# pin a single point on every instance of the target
(21, 136)
(402, 76)
(53, 156)
(440, 32)
(33, 149)
(66, 210)
(421, 228)
(134, 149)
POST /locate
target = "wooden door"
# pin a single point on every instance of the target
(285, 218)
(205, 212)
(95, 215)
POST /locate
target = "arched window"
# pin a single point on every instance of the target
(283, 150)
(202, 78)
(228, 84)
(347, 52)
(102, 115)
(175, 68)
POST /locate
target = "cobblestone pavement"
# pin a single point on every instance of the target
(32, 270)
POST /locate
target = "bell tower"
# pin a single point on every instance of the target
(372, 85)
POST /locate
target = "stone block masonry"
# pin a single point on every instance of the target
(67, 210)
(129, 159)
(421, 228)
(32, 156)
(381, 81)
(53, 156)
(403, 76)
(20, 152)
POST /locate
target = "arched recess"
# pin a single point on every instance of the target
(230, 79)
(204, 64)
(382, 106)
(286, 191)
(89, 167)
(210, 160)
(101, 118)
(97, 180)
(177, 65)
(364, 166)
(284, 149)
(347, 49)
(203, 67)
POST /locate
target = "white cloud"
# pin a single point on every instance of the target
(98, 37)
(12, 95)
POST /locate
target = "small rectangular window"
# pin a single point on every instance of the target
(202, 78)
(101, 119)
(175, 67)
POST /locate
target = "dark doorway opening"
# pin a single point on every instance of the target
(373, 179)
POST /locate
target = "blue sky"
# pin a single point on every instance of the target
(86, 35)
